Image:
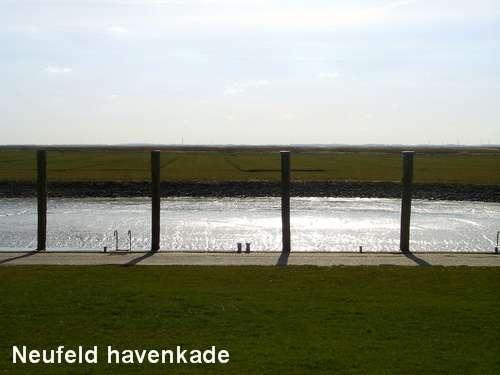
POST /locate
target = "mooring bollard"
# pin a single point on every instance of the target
(41, 161)
(155, 200)
(285, 200)
(404, 243)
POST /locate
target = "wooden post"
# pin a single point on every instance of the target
(285, 200)
(155, 200)
(404, 244)
(41, 192)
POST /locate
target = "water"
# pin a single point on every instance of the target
(318, 224)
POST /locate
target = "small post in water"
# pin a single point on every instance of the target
(155, 200)
(41, 190)
(404, 244)
(285, 200)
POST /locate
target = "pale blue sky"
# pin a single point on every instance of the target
(250, 72)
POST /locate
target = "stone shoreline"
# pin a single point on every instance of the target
(485, 193)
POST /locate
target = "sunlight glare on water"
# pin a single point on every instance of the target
(318, 224)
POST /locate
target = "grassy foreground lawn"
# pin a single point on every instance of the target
(272, 320)
(467, 168)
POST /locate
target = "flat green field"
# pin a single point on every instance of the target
(293, 320)
(480, 168)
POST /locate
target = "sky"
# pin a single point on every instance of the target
(250, 72)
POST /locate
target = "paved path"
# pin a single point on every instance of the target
(256, 258)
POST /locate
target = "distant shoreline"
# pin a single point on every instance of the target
(457, 192)
(389, 148)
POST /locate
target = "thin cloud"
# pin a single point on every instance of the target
(117, 30)
(233, 90)
(330, 17)
(328, 75)
(240, 87)
(53, 69)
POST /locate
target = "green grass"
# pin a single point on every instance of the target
(471, 168)
(293, 320)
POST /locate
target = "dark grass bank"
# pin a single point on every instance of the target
(485, 193)
(293, 320)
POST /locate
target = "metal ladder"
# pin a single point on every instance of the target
(129, 234)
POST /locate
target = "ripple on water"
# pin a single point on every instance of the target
(318, 224)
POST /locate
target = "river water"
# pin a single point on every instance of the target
(317, 224)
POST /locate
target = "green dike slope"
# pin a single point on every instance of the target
(461, 168)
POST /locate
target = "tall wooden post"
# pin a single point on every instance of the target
(41, 192)
(285, 200)
(404, 244)
(155, 200)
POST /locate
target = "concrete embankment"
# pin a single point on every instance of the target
(255, 259)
